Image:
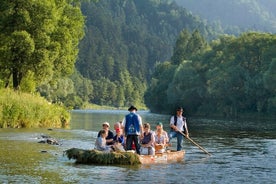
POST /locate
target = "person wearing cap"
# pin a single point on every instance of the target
(110, 135)
(178, 123)
(132, 127)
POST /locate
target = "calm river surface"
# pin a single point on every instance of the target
(242, 152)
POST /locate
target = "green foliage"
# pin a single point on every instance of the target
(270, 77)
(156, 94)
(124, 40)
(233, 77)
(124, 92)
(99, 157)
(186, 87)
(188, 46)
(38, 37)
(22, 110)
(241, 72)
(73, 92)
(180, 50)
(28, 84)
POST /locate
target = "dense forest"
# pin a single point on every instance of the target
(151, 53)
(230, 77)
(124, 41)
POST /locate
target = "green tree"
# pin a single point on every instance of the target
(126, 82)
(120, 97)
(156, 94)
(186, 87)
(234, 77)
(180, 52)
(270, 77)
(270, 84)
(83, 86)
(197, 45)
(40, 37)
(188, 46)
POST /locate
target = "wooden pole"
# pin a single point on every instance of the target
(195, 143)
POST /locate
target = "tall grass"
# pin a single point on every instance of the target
(22, 110)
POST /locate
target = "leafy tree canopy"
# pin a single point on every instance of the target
(233, 76)
(38, 40)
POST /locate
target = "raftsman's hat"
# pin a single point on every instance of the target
(132, 108)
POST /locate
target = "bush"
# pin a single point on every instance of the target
(22, 110)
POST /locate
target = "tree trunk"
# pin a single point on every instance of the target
(8, 81)
(16, 77)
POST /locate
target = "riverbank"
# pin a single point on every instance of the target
(89, 106)
(23, 110)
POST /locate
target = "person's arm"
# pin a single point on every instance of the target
(141, 125)
(186, 128)
(172, 124)
(155, 143)
(141, 137)
(123, 124)
(152, 140)
(109, 138)
(122, 139)
(166, 137)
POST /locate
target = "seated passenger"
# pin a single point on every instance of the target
(119, 140)
(117, 125)
(147, 141)
(100, 143)
(110, 135)
(161, 138)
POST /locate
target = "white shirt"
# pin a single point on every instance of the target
(179, 123)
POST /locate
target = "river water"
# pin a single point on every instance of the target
(242, 152)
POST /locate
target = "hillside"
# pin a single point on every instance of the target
(124, 41)
(242, 15)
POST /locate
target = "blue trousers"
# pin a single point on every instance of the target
(179, 138)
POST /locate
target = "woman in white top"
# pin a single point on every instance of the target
(161, 138)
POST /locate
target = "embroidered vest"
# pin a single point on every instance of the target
(132, 126)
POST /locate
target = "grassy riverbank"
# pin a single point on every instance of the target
(22, 110)
(103, 107)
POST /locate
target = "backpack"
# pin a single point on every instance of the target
(175, 122)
